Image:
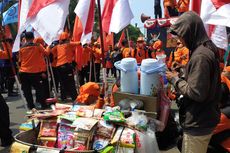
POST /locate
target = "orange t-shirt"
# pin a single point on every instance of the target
(86, 56)
(3, 55)
(185, 53)
(65, 52)
(126, 52)
(139, 55)
(97, 54)
(6, 48)
(31, 59)
(183, 5)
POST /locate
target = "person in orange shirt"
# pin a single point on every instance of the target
(170, 8)
(139, 52)
(157, 49)
(108, 59)
(97, 55)
(125, 50)
(83, 73)
(31, 69)
(65, 52)
(221, 137)
(182, 6)
(180, 56)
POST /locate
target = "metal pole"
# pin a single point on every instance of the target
(102, 47)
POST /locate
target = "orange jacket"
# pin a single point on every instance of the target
(115, 88)
(171, 3)
(183, 5)
(222, 126)
(6, 48)
(65, 52)
(139, 54)
(31, 59)
(86, 55)
(126, 52)
(97, 55)
(181, 55)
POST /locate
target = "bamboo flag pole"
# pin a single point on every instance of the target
(102, 47)
(127, 32)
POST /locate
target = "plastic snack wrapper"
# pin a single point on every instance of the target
(109, 149)
(47, 141)
(105, 129)
(46, 150)
(124, 150)
(48, 128)
(28, 125)
(65, 136)
(100, 143)
(83, 111)
(84, 123)
(19, 148)
(125, 137)
(114, 116)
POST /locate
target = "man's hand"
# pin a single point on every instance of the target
(171, 75)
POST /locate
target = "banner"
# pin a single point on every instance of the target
(11, 15)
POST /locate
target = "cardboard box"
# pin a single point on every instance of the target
(150, 103)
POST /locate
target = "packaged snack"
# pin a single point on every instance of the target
(47, 141)
(98, 113)
(48, 128)
(125, 137)
(84, 123)
(18, 147)
(124, 150)
(81, 140)
(105, 129)
(84, 111)
(137, 120)
(65, 136)
(109, 149)
(29, 125)
(100, 143)
(114, 116)
(46, 150)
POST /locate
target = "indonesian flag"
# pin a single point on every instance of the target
(83, 27)
(84, 21)
(216, 12)
(116, 15)
(47, 17)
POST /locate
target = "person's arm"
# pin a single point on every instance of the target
(197, 85)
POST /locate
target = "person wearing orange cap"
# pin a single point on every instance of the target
(65, 52)
(180, 56)
(221, 137)
(139, 52)
(31, 69)
(157, 49)
(182, 6)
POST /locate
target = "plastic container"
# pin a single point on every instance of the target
(150, 76)
(129, 77)
(161, 58)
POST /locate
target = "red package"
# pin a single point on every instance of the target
(48, 128)
(48, 141)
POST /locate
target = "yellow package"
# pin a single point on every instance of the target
(19, 148)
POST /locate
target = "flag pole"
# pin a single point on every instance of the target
(102, 47)
(127, 31)
(12, 65)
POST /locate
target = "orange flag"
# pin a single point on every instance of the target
(121, 38)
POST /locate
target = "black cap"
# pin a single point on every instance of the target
(29, 35)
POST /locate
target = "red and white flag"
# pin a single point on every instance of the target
(216, 12)
(116, 15)
(47, 17)
(84, 21)
(122, 37)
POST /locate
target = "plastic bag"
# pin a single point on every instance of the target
(100, 143)
(146, 142)
(137, 120)
(115, 116)
(105, 129)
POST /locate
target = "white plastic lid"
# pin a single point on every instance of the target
(129, 63)
(149, 63)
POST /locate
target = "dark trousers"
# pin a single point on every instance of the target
(84, 75)
(98, 68)
(29, 80)
(115, 72)
(56, 78)
(5, 132)
(45, 82)
(172, 11)
(157, 11)
(67, 81)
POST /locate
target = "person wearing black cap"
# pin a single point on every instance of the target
(200, 89)
(31, 70)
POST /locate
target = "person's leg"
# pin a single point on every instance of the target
(26, 88)
(70, 82)
(37, 83)
(81, 77)
(195, 144)
(45, 83)
(98, 68)
(62, 76)
(5, 132)
(10, 81)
